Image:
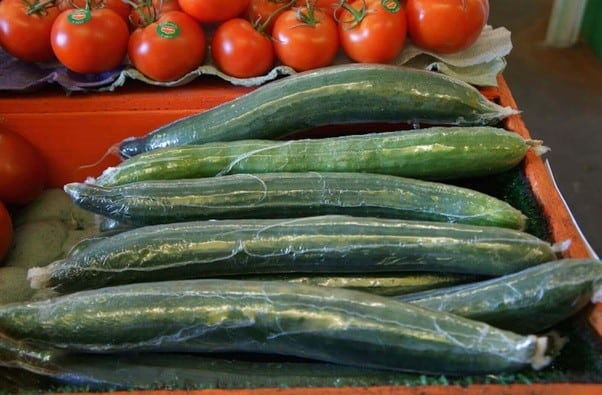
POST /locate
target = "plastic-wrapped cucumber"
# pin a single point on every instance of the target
(331, 325)
(343, 94)
(531, 300)
(385, 285)
(435, 153)
(136, 371)
(281, 195)
(322, 244)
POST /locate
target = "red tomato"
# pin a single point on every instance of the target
(265, 12)
(90, 41)
(169, 48)
(305, 38)
(371, 33)
(167, 5)
(239, 50)
(25, 33)
(331, 7)
(207, 11)
(22, 170)
(6, 232)
(119, 6)
(446, 26)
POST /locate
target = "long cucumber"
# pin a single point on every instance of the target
(333, 325)
(345, 94)
(322, 244)
(530, 300)
(137, 371)
(393, 284)
(435, 153)
(281, 195)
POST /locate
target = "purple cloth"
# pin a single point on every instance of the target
(18, 75)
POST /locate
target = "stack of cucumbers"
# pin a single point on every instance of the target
(235, 235)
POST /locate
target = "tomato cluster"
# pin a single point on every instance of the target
(165, 39)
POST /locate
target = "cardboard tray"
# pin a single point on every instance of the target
(76, 135)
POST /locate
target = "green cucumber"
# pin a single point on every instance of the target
(281, 195)
(532, 299)
(215, 316)
(137, 371)
(345, 94)
(435, 153)
(386, 284)
(322, 244)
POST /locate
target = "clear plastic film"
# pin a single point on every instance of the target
(385, 284)
(281, 195)
(330, 325)
(532, 300)
(320, 244)
(434, 153)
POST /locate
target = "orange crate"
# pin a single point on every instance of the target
(76, 135)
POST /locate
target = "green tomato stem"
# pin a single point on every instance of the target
(39, 7)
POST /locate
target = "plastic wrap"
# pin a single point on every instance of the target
(322, 244)
(281, 195)
(385, 285)
(531, 300)
(332, 325)
(436, 153)
(347, 94)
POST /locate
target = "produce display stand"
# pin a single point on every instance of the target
(76, 135)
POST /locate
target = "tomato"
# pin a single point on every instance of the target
(240, 50)
(305, 38)
(22, 170)
(265, 12)
(446, 26)
(6, 231)
(371, 32)
(119, 6)
(25, 32)
(207, 11)
(167, 5)
(168, 48)
(90, 41)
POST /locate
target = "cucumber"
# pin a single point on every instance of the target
(532, 299)
(344, 94)
(322, 244)
(436, 153)
(136, 371)
(386, 285)
(281, 195)
(215, 316)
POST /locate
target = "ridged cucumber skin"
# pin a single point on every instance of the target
(436, 153)
(281, 195)
(344, 94)
(528, 301)
(332, 325)
(322, 244)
